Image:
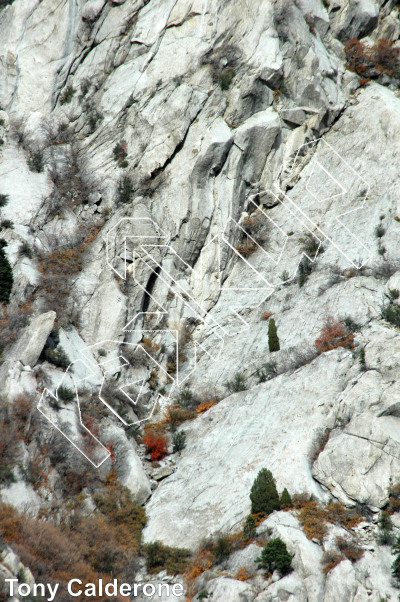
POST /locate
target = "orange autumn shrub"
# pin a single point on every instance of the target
(201, 562)
(243, 574)
(338, 514)
(156, 444)
(205, 405)
(258, 517)
(334, 334)
(313, 518)
(246, 249)
(266, 315)
(175, 415)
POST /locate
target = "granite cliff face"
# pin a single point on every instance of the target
(175, 172)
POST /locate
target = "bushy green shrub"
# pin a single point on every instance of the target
(6, 223)
(391, 313)
(25, 250)
(65, 393)
(36, 162)
(3, 200)
(178, 441)
(160, 557)
(85, 86)
(351, 324)
(273, 340)
(226, 77)
(310, 245)
(6, 476)
(57, 356)
(361, 359)
(275, 556)
(305, 269)
(267, 371)
(124, 189)
(238, 383)
(67, 94)
(396, 562)
(6, 274)
(222, 548)
(185, 398)
(94, 118)
(263, 495)
(385, 533)
(120, 151)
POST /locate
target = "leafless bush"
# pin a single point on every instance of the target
(298, 356)
(258, 226)
(384, 269)
(334, 277)
(17, 130)
(221, 59)
(319, 444)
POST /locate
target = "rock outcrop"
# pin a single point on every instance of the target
(174, 173)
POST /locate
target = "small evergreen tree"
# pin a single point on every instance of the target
(264, 496)
(249, 529)
(275, 555)
(6, 275)
(273, 341)
(396, 562)
(286, 500)
(385, 535)
(361, 358)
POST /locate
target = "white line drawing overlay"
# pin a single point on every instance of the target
(146, 248)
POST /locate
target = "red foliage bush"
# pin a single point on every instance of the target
(372, 61)
(156, 444)
(334, 334)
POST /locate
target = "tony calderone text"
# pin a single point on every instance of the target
(76, 588)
